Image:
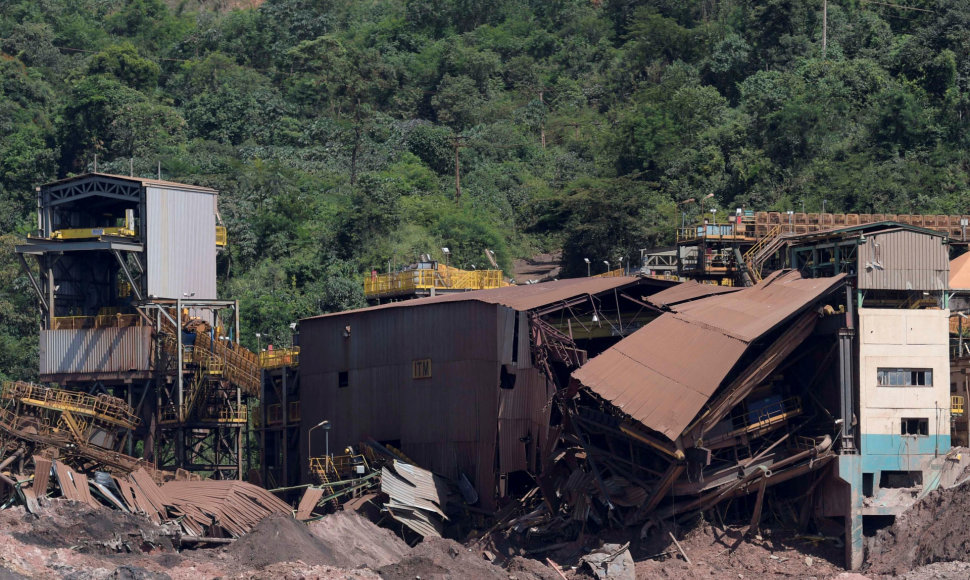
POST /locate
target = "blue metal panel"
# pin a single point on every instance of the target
(900, 453)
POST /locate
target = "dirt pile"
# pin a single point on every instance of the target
(356, 541)
(68, 524)
(726, 553)
(932, 530)
(280, 538)
(441, 559)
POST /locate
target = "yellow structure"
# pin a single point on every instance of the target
(426, 281)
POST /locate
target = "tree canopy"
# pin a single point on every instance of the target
(331, 127)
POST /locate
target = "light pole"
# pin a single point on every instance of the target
(292, 333)
(326, 427)
(790, 212)
(447, 253)
(823, 206)
(621, 264)
(714, 216)
(259, 342)
(607, 262)
(587, 266)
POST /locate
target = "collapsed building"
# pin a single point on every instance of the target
(627, 400)
(615, 401)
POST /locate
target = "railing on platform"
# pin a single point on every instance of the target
(956, 405)
(100, 407)
(342, 466)
(102, 321)
(611, 274)
(284, 357)
(441, 278)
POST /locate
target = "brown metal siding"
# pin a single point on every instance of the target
(95, 350)
(445, 423)
(523, 420)
(903, 260)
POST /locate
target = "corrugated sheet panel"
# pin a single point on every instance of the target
(446, 423)
(960, 272)
(529, 296)
(523, 420)
(180, 243)
(95, 350)
(686, 291)
(903, 260)
(663, 374)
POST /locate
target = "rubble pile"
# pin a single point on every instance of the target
(933, 530)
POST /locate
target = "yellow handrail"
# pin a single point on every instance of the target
(283, 357)
(440, 278)
(956, 405)
(764, 241)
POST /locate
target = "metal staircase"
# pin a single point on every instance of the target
(756, 255)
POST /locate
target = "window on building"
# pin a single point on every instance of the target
(904, 377)
(343, 379)
(915, 426)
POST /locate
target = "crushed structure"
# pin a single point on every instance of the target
(623, 401)
(814, 375)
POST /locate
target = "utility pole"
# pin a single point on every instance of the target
(457, 143)
(542, 124)
(825, 26)
(353, 158)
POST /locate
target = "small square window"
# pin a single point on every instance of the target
(914, 426)
(343, 379)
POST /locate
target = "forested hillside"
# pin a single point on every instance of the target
(331, 126)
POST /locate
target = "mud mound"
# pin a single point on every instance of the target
(356, 541)
(932, 530)
(280, 538)
(440, 559)
(66, 524)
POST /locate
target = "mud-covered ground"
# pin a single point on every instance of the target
(71, 540)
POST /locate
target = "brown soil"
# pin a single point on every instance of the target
(440, 559)
(933, 530)
(357, 542)
(726, 553)
(541, 268)
(280, 538)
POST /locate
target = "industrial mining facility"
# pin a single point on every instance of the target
(777, 395)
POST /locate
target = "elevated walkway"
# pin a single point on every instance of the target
(437, 278)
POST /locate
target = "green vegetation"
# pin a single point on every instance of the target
(331, 126)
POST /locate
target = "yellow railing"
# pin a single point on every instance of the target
(611, 274)
(956, 405)
(229, 414)
(100, 407)
(222, 237)
(284, 357)
(442, 278)
(341, 466)
(764, 241)
(104, 321)
(90, 233)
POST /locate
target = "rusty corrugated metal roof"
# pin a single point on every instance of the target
(663, 374)
(960, 272)
(524, 297)
(687, 291)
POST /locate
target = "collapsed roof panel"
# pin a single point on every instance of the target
(687, 291)
(524, 297)
(663, 374)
